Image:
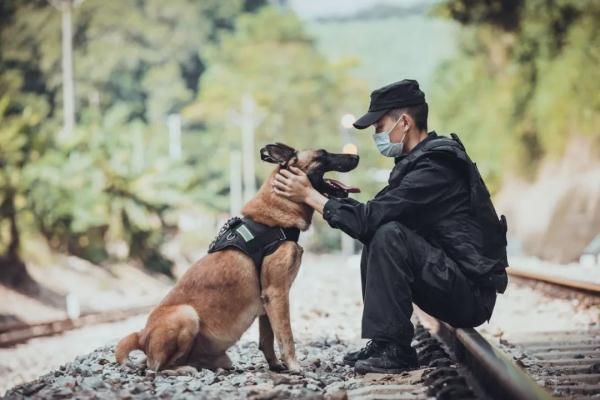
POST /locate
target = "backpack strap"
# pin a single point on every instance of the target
(439, 144)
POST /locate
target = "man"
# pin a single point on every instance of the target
(431, 236)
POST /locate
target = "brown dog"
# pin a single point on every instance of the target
(218, 297)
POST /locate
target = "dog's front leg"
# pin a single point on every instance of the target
(277, 306)
(266, 342)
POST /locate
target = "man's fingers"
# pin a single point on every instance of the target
(279, 178)
(280, 192)
(285, 173)
(279, 185)
(296, 170)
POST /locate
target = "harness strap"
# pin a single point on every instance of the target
(252, 238)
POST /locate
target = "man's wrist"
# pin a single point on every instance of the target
(315, 200)
(309, 195)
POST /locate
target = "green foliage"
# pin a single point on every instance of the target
(22, 140)
(526, 79)
(135, 63)
(108, 196)
(300, 95)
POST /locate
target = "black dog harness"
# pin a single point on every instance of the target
(251, 238)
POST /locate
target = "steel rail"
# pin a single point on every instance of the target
(589, 288)
(496, 373)
(13, 334)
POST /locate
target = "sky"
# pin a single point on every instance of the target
(320, 8)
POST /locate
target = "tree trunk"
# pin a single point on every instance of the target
(13, 271)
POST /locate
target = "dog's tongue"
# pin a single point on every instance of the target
(339, 185)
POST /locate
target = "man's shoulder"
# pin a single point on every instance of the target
(443, 158)
(438, 162)
(441, 150)
(437, 154)
(443, 143)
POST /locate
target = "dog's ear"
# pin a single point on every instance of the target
(277, 153)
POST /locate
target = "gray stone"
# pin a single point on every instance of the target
(62, 392)
(139, 388)
(65, 381)
(93, 382)
(313, 387)
(165, 392)
(184, 378)
(196, 385)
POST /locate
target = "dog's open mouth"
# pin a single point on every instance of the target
(336, 188)
(344, 162)
(337, 185)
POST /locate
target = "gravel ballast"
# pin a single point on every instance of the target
(326, 310)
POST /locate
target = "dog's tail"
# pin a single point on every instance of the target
(127, 345)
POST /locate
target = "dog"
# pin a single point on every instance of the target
(219, 297)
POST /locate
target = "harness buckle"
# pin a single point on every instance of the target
(283, 235)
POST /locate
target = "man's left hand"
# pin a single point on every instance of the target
(292, 184)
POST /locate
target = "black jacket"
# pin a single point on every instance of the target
(436, 191)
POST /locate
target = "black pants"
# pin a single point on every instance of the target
(399, 267)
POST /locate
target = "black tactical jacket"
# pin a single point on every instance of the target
(436, 191)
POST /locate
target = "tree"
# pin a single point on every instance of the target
(131, 72)
(299, 93)
(22, 139)
(525, 81)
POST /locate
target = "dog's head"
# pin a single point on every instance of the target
(315, 163)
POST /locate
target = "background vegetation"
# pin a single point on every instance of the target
(524, 82)
(516, 79)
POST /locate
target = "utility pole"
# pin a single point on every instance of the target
(174, 124)
(137, 160)
(248, 120)
(235, 182)
(66, 8)
(347, 242)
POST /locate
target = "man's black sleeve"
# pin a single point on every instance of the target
(424, 187)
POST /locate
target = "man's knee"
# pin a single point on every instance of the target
(389, 233)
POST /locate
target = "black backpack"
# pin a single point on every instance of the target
(482, 209)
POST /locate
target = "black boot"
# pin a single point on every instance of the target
(369, 350)
(391, 359)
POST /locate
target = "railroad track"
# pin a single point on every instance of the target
(538, 365)
(485, 369)
(586, 293)
(567, 363)
(15, 333)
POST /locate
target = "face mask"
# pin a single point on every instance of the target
(387, 148)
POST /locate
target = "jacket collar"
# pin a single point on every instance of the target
(430, 136)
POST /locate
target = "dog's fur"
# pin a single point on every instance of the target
(218, 297)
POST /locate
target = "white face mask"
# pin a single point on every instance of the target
(387, 148)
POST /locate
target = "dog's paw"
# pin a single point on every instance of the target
(168, 372)
(185, 370)
(293, 367)
(277, 367)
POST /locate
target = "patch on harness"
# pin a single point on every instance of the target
(245, 233)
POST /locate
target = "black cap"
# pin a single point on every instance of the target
(395, 95)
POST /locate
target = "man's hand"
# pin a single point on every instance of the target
(295, 186)
(292, 184)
